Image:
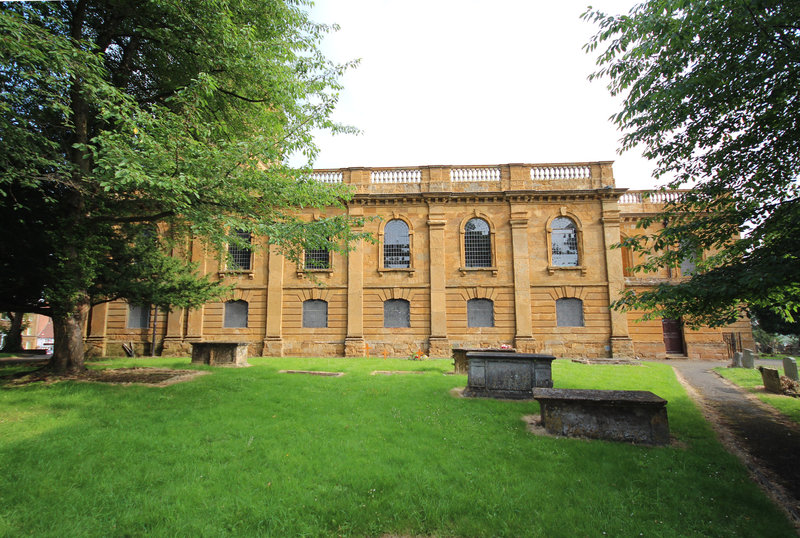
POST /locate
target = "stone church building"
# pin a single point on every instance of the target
(466, 256)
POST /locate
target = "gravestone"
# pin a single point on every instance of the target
(748, 360)
(737, 360)
(790, 368)
(772, 380)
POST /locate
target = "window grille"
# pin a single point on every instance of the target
(138, 316)
(396, 313)
(239, 257)
(315, 313)
(477, 244)
(396, 245)
(564, 238)
(480, 313)
(235, 314)
(317, 258)
(569, 313)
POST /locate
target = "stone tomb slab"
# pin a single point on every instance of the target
(460, 357)
(631, 416)
(312, 372)
(220, 353)
(507, 375)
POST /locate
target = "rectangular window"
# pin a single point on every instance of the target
(238, 256)
(317, 258)
(138, 316)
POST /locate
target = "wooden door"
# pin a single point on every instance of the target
(673, 335)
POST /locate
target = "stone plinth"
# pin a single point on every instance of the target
(460, 357)
(632, 416)
(507, 375)
(219, 353)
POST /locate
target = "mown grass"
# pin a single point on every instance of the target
(752, 381)
(255, 452)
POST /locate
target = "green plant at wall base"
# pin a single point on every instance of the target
(254, 452)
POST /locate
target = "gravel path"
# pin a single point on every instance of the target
(767, 442)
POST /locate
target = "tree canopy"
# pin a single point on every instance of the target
(130, 128)
(711, 91)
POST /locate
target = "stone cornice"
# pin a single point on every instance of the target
(522, 196)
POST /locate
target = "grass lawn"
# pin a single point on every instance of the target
(252, 451)
(750, 379)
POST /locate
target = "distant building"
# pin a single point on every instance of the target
(466, 256)
(37, 334)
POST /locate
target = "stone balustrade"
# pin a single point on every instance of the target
(396, 176)
(650, 197)
(472, 178)
(545, 173)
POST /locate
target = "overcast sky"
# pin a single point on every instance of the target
(471, 82)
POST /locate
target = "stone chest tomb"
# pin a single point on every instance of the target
(507, 375)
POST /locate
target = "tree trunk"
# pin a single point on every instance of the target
(13, 341)
(68, 341)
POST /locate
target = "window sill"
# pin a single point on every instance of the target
(324, 272)
(465, 270)
(551, 269)
(409, 270)
(235, 273)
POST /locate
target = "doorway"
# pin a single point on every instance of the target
(673, 336)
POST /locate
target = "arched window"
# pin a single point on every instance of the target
(477, 244)
(564, 240)
(396, 313)
(239, 255)
(138, 316)
(235, 314)
(315, 314)
(480, 313)
(396, 245)
(569, 313)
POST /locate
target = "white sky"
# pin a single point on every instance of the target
(471, 82)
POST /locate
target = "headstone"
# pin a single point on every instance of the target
(790, 368)
(748, 360)
(772, 380)
(737, 360)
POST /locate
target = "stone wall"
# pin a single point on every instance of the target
(519, 202)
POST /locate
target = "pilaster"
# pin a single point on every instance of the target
(354, 342)
(96, 339)
(174, 344)
(620, 343)
(273, 341)
(439, 345)
(522, 276)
